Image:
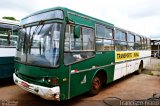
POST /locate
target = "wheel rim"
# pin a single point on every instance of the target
(96, 83)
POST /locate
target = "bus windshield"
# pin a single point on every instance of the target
(39, 45)
(56, 14)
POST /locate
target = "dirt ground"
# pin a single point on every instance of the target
(131, 87)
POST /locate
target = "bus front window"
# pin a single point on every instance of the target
(39, 45)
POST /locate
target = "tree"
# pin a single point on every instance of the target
(9, 18)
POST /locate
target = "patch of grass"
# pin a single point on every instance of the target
(150, 73)
(158, 67)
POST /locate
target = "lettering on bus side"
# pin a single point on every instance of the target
(120, 56)
(136, 54)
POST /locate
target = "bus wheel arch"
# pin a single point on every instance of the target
(99, 78)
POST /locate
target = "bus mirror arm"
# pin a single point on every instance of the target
(69, 21)
(77, 27)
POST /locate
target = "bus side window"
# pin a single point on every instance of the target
(72, 43)
(88, 39)
(78, 49)
(5, 33)
(104, 38)
(148, 44)
(138, 44)
(120, 40)
(130, 40)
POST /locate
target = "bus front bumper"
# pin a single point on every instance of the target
(44, 92)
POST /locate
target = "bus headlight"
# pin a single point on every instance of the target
(53, 80)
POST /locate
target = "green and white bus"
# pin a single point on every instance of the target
(8, 42)
(62, 53)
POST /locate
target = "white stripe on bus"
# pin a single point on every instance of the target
(7, 52)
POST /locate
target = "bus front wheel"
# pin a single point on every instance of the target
(96, 85)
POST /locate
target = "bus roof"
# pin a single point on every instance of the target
(5, 21)
(66, 10)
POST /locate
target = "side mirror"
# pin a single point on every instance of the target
(77, 31)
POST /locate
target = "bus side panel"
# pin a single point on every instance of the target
(7, 52)
(126, 67)
(131, 66)
(146, 57)
(120, 70)
(110, 73)
(6, 70)
(6, 67)
(81, 81)
(63, 76)
(7, 62)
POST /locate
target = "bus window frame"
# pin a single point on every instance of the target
(112, 45)
(78, 51)
(140, 42)
(148, 44)
(34, 15)
(143, 43)
(9, 36)
(132, 34)
(60, 44)
(120, 40)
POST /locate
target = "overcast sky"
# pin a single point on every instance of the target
(140, 16)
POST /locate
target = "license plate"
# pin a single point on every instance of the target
(24, 84)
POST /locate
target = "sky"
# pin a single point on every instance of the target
(139, 16)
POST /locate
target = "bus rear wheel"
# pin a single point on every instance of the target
(96, 85)
(140, 68)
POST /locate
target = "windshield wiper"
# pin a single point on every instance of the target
(35, 31)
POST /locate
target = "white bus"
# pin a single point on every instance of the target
(8, 42)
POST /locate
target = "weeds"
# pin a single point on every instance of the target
(158, 67)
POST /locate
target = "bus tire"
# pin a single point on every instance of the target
(140, 68)
(96, 85)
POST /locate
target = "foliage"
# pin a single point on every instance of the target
(9, 18)
(158, 67)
